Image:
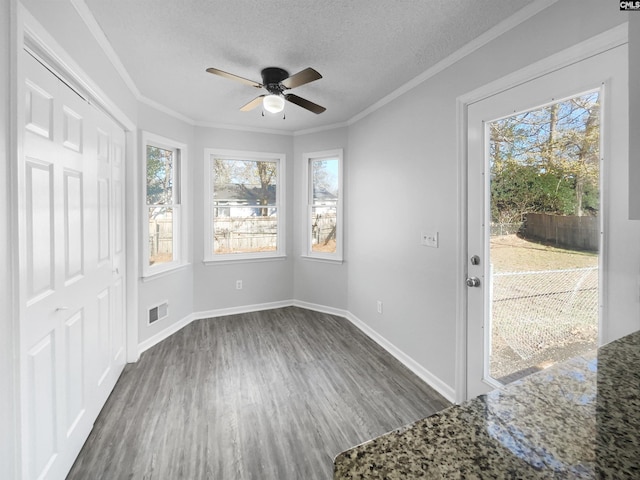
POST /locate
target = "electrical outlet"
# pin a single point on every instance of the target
(429, 239)
(238, 284)
(379, 306)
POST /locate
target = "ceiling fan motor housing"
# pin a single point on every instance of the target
(271, 78)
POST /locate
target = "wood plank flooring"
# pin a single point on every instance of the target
(271, 395)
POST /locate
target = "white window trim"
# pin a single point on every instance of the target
(337, 256)
(209, 257)
(180, 240)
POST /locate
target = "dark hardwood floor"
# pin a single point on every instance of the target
(272, 395)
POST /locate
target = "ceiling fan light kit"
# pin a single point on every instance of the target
(273, 103)
(276, 81)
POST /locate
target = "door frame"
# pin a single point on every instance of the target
(598, 44)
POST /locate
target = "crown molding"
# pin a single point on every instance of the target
(164, 109)
(95, 30)
(508, 24)
(243, 128)
(320, 129)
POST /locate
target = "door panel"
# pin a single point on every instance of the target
(39, 110)
(72, 330)
(41, 390)
(104, 305)
(40, 258)
(75, 371)
(600, 71)
(74, 226)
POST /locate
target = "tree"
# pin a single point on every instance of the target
(546, 160)
(159, 179)
(256, 180)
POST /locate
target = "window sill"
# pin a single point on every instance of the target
(335, 261)
(163, 273)
(244, 259)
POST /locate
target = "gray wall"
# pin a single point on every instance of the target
(634, 114)
(316, 282)
(265, 281)
(175, 287)
(408, 149)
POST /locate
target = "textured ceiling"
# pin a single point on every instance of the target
(364, 50)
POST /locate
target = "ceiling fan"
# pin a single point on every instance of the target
(277, 81)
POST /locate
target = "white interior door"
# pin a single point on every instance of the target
(604, 72)
(72, 265)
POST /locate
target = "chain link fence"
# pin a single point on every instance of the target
(534, 311)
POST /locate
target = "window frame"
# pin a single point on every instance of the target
(210, 257)
(178, 206)
(308, 158)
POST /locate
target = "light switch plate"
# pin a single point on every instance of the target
(429, 239)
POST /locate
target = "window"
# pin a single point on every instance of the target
(324, 205)
(244, 213)
(163, 178)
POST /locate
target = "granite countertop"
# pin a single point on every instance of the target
(577, 419)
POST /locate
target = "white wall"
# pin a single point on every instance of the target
(406, 152)
(316, 282)
(263, 282)
(7, 364)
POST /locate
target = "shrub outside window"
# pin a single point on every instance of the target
(324, 205)
(245, 218)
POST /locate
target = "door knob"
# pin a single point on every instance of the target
(473, 282)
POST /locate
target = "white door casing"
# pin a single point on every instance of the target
(72, 327)
(606, 71)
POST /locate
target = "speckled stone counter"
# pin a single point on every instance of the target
(577, 419)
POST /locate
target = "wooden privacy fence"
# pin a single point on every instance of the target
(323, 228)
(568, 231)
(160, 236)
(245, 234)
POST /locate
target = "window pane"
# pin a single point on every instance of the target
(245, 183)
(325, 181)
(323, 229)
(239, 230)
(160, 172)
(160, 235)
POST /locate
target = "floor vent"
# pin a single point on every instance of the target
(158, 312)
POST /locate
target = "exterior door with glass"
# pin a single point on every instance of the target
(535, 215)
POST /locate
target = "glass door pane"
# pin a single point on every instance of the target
(544, 236)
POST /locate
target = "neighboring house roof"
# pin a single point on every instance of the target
(321, 194)
(236, 194)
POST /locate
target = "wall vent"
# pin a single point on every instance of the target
(158, 312)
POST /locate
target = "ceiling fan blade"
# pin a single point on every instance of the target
(252, 104)
(231, 76)
(304, 103)
(304, 76)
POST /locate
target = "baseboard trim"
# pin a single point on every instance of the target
(256, 307)
(220, 312)
(163, 334)
(320, 308)
(429, 378)
(425, 375)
